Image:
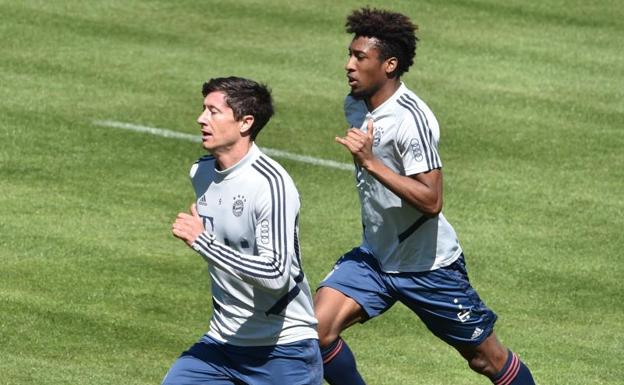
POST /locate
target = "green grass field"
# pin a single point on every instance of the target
(95, 290)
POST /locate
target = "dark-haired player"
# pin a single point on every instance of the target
(409, 251)
(245, 225)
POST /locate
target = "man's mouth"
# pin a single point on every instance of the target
(352, 81)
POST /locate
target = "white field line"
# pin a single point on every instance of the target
(196, 138)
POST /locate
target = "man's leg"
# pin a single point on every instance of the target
(500, 365)
(353, 292)
(336, 312)
(447, 303)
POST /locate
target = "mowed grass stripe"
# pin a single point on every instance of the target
(196, 138)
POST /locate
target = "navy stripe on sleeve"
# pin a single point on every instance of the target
(232, 259)
(254, 267)
(424, 132)
(274, 209)
(434, 149)
(296, 239)
(274, 177)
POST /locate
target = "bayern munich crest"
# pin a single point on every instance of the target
(239, 205)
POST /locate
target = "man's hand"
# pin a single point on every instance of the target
(360, 144)
(188, 227)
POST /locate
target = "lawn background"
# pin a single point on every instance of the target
(94, 289)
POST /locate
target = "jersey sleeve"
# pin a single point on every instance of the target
(417, 144)
(276, 207)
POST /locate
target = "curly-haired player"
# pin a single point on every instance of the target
(409, 252)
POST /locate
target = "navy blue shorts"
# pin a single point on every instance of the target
(213, 362)
(443, 298)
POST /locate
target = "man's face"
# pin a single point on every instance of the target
(220, 131)
(365, 71)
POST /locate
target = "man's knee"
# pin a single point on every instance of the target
(479, 364)
(328, 329)
(326, 337)
(335, 312)
(488, 358)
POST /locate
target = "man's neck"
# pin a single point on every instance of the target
(228, 157)
(383, 94)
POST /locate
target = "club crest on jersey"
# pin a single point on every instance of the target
(416, 149)
(239, 205)
(377, 136)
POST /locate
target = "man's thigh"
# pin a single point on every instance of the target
(358, 276)
(446, 302)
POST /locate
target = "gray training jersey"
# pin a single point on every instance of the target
(405, 139)
(250, 213)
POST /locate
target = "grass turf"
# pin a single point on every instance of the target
(94, 290)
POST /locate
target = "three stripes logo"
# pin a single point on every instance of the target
(477, 332)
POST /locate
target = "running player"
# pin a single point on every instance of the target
(409, 251)
(245, 225)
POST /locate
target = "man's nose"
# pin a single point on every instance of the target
(349, 65)
(202, 118)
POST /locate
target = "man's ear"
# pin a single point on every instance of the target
(391, 65)
(245, 124)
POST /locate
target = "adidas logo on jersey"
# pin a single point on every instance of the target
(202, 201)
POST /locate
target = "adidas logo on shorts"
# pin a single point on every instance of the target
(477, 332)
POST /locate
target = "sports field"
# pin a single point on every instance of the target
(95, 290)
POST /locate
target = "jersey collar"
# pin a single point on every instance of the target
(236, 169)
(400, 91)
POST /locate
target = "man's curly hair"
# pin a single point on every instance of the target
(396, 34)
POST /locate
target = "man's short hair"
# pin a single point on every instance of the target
(395, 33)
(244, 97)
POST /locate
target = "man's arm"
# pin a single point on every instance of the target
(270, 269)
(423, 190)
